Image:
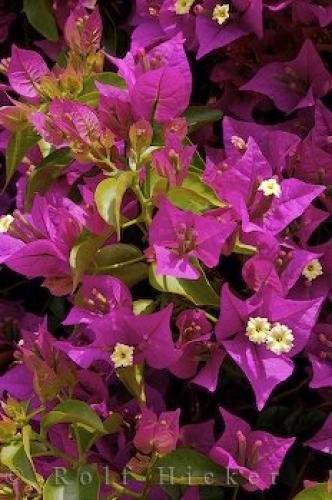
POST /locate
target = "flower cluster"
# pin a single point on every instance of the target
(165, 250)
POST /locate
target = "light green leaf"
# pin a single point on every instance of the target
(200, 292)
(143, 306)
(49, 170)
(79, 484)
(41, 17)
(183, 460)
(18, 146)
(318, 492)
(82, 254)
(133, 379)
(198, 116)
(16, 459)
(109, 195)
(90, 93)
(194, 195)
(73, 411)
(194, 182)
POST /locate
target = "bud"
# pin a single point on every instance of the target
(140, 136)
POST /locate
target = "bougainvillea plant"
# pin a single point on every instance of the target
(165, 249)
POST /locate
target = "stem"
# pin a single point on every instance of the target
(235, 492)
(122, 264)
(130, 223)
(124, 491)
(211, 317)
(300, 475)
(11, 287)
(144, 202)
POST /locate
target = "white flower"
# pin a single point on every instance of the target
(183, 6)
(221, 13)
(270, 187)
(258, 329)
(280, 339)
(5, 223)
(122, 355)
(312, 270)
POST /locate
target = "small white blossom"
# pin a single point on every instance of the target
(5, 223)
(270, 187)
(258, 329)
(183, 6)
(312, 270)
(221, 13)
(122, 355)
(280, 339)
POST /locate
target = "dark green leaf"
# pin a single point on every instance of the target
(197, 116)
(40, 16)
(84, 437)
(188, 467)
(72, 411)
(18, 146)
(113, 423)
(122, 261)
(200, 292)
(49, 170)
(79, 484)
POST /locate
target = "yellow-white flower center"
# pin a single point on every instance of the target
(312, 270)
(122, 355)
(270, 187)
(258, 329)
(280, 339)
(5, 223)
(183, 6)
(221, 13)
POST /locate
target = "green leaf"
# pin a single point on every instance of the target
(85, 437)
(188, 200)
(49, 170)
(194, 195)
(133, 379)
(108, 197)
(188, 467)
(16, 459)
(82, 483)
(19, 144)
(72, 411)
(40, 16)
(197, 116)
(194, 182)
(143, 306)
(318, 492)
(113, 423)
(82, 254)
(90, 93)
(122, 261)
(200, 292)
